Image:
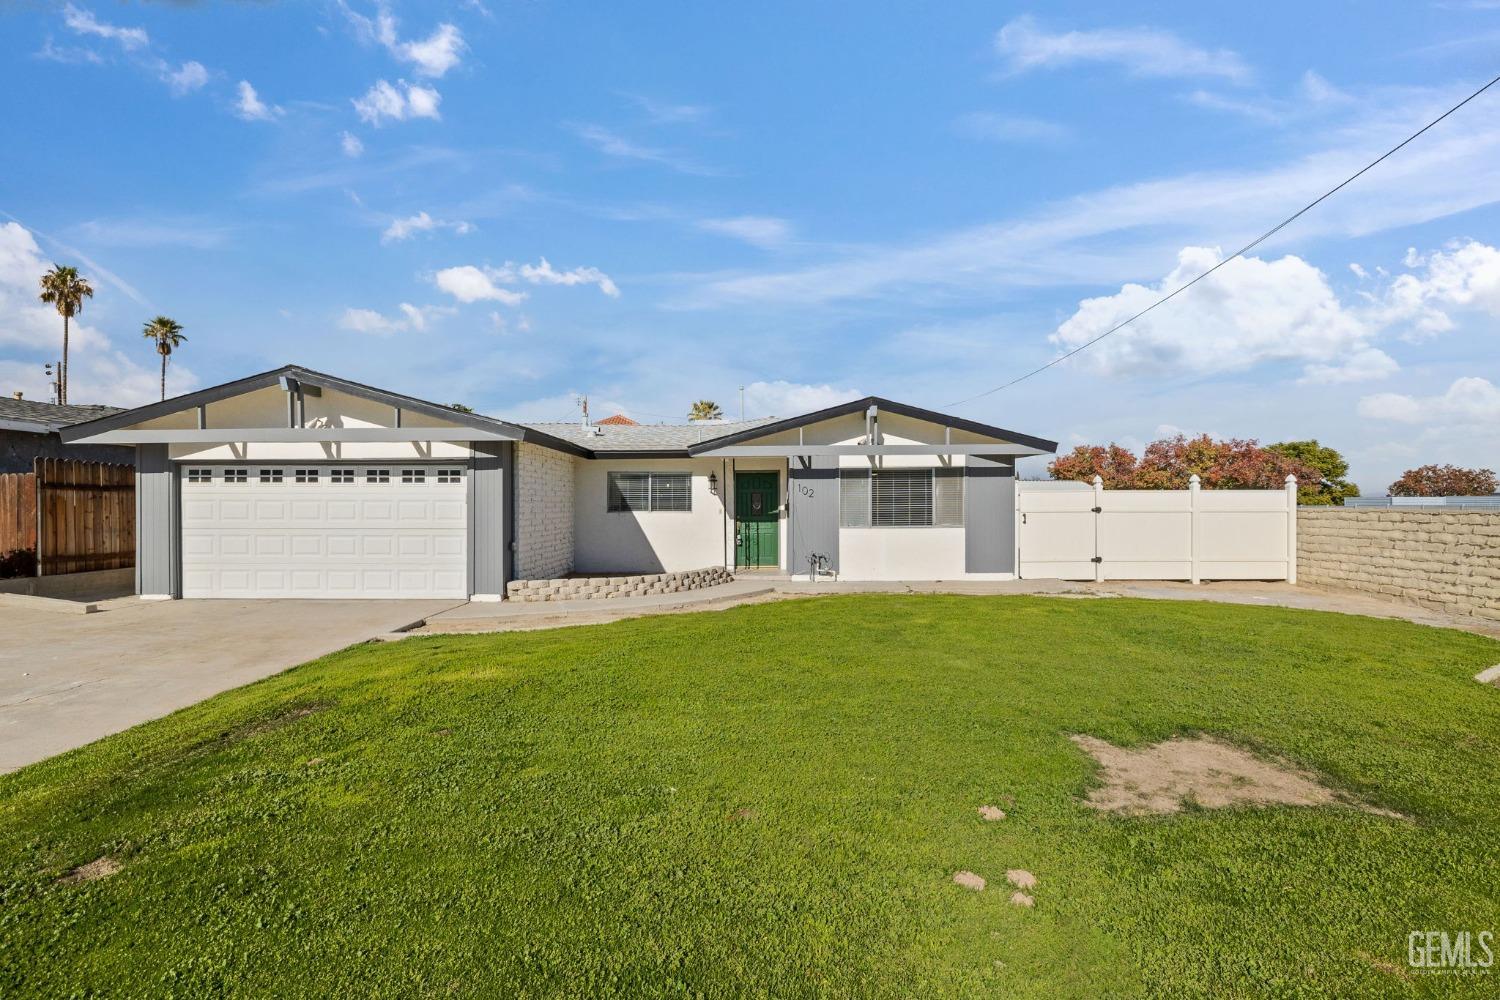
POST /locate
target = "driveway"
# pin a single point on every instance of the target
(67, 679)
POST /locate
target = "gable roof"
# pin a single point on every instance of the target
(880, 403)
(176, 404)
(35, 417)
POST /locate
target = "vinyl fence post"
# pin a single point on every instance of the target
(1291, 529)
(1098, 509)
(1194, 484)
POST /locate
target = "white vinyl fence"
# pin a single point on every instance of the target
(1070, 531)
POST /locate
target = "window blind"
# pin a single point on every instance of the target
(854, 498)
(901, 498)
(629, 491)
(671, 491)
(948, 498)
(659, 491)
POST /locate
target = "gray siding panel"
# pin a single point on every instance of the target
(990, 514)
(490, 520)
(158, 532)
(812, 511)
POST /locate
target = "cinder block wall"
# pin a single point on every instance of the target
(1447, 561)
(544, 513)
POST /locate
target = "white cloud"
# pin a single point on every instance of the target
(1249, 312)
(83, 22)
(1139, 51)
(1465, 277)
(663, 113)
(189, 77)
(544, 274)
(350, 144)
(785, 399)
(251, 108)
(411, 318)
(385, 102)
(993, 127)
(618, 146)
(68, 55)
(1472, 401)
(1364, 365)
(762, 231)
(432, 56)
(436, 54)
(468, 283)
(32, 336)
(402, 229)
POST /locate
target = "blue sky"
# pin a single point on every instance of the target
(508, 204)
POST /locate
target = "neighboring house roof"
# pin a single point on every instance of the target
(34, 417)
(644, 440)
(618, 420)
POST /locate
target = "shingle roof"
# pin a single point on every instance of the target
(49, 415)
(646, 437)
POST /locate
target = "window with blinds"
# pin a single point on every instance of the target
(901, 498)
(658, 491)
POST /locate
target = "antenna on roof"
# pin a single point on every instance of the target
(742, 404)
(583, 401)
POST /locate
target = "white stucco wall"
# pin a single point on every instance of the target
(647, 541)
(901, 554)
(545, 485)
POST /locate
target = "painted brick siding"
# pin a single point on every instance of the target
(544, 513)
(1448, 562)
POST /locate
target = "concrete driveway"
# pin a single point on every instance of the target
(68, 679)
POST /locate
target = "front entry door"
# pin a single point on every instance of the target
(757, 527)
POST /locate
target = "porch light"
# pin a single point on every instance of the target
(713, 484)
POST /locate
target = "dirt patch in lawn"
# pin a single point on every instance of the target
(274, 721)
(1202, 770)
(92, 872)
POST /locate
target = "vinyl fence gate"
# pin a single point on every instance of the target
(1071, 531)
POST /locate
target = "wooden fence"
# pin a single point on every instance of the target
(72, 516)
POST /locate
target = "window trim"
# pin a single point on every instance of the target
(939, 508)
(617, 502)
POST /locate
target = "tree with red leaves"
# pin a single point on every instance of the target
(1445, 481)
(1168, 464)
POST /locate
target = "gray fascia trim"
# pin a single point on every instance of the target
(642, 453)
(793, 450)
(502, 429)
(27, 427)
(533, 436)
(1042, 445)
(289, 435)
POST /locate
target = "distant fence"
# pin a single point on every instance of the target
(67, 517)
(1080, 532)
(1491, 502)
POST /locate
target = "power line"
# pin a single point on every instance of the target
(1238, 253)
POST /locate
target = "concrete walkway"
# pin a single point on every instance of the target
(509, 617)
(69, 679)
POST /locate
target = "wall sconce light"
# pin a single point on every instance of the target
(713, 484)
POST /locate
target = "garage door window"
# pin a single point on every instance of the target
(377, 475)
(200, 475)
(411, 476)
(450, 477)
(270, 475)
(236, 475)
(306, 475)
(342, 477)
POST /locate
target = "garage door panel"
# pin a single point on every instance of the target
(377, 538)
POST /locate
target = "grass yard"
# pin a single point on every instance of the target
(772, 801)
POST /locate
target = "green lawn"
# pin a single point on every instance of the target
(771, 801)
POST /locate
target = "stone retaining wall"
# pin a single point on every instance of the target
(1443, 560)
(591, 587)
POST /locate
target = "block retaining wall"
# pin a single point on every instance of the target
(603, 587)
(1442, 560)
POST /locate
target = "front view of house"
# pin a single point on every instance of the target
(292, 483)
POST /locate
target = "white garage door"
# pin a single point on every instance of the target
(324, 531)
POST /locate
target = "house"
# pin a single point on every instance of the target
(29, 430)
(292, 483)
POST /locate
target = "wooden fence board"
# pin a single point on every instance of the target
(86, 516)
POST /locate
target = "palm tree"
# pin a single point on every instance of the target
(65, 288)
(168, 335)
(706, 409)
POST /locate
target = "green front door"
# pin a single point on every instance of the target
(757, 530)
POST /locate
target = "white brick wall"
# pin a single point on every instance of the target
(544, 513)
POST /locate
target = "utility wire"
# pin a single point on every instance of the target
(1238, 253)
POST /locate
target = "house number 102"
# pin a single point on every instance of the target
(805, 489)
